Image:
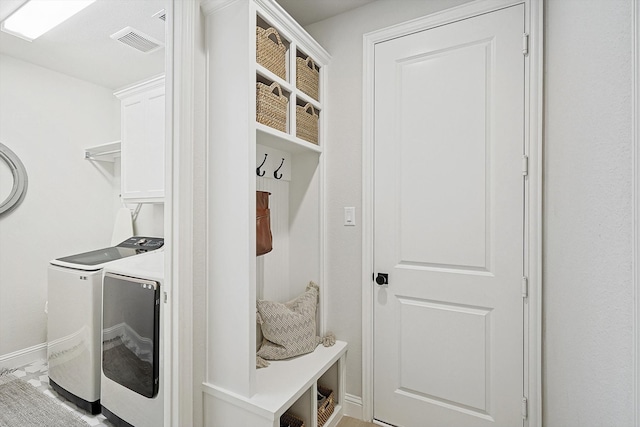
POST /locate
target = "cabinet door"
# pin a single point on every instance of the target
(143, 146)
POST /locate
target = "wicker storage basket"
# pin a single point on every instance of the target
(326, 409)
(269, 53)
(307, 76)
(288, 419)
(271, 107)
(307, 123)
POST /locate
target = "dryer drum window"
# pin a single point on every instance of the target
(131, 333)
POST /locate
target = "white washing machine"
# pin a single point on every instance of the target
(74, 319)
(132, 380)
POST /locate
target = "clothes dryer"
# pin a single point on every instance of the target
(74, 319)
(132, 381)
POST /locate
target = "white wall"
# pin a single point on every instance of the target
(149, 221)
(341, 36)
(588, 295)
(47, 119)
(587, 282)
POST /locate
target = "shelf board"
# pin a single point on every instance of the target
(306, 98)
(103, 153)
(282, 141)
(264, 72)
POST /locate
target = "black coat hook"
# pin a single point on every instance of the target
(275, 173)
(258, 171)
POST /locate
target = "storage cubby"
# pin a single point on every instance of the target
(272, 48)
(307, 120)
(300, 408)
(272, 104)
(246, 155)
(307, 75)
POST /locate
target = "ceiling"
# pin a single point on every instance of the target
(307, 12)
(81, 46)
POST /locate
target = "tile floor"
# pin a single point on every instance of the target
(36, 374)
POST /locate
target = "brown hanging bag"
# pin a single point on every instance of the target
(264, 241)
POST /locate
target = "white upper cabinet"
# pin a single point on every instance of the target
(143, 137)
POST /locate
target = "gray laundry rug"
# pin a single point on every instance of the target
(22, 405)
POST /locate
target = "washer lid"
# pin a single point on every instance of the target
(95, 260)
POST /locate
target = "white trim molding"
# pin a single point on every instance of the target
(353, 406)
(181, 75)
(635, 147)
(533, 193)
(23, 357)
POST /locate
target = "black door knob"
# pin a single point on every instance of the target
(382, 279)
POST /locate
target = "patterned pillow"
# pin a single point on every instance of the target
(289, 329)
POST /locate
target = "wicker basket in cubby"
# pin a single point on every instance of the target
(307, 123)
(307, 76)
(271, 107)
(326, 408)
(271, 54)
(290, 420)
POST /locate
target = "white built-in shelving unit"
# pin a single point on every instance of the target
(234, 391)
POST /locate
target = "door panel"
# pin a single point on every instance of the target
(457, 371)
(438, 147)
(448, 138)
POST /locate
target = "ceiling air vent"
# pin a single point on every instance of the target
(137, 40)
(160, 15)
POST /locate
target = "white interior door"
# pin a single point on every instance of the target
(449, 205)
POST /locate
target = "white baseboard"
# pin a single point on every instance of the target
(353, 406)
(23, 357)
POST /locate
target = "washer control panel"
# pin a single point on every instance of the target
(144, 243)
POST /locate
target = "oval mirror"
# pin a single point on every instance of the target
(19, 176)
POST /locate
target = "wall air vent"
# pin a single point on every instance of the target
(137, 40)
(160, 15)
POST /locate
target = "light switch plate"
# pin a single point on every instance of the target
(349, 216)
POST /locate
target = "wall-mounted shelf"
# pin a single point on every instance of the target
(264, 72)
(282, 141)
(306, 98)
(103, 153)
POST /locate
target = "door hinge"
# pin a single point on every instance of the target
(525, 44)
(525, 165)
(165, 297)
(525, 287)
(525, 408)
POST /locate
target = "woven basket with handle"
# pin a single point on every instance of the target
(307, 76)
(291, 420)
(271, 53)
(271, 107)
(326, 408)
(307, 123)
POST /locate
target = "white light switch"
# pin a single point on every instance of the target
(349, 216)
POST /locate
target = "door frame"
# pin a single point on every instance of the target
(180, 181)
(635, 158)
(533, 190)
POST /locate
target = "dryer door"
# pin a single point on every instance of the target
(131, 332)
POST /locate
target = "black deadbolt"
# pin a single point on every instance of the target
(382, 279)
